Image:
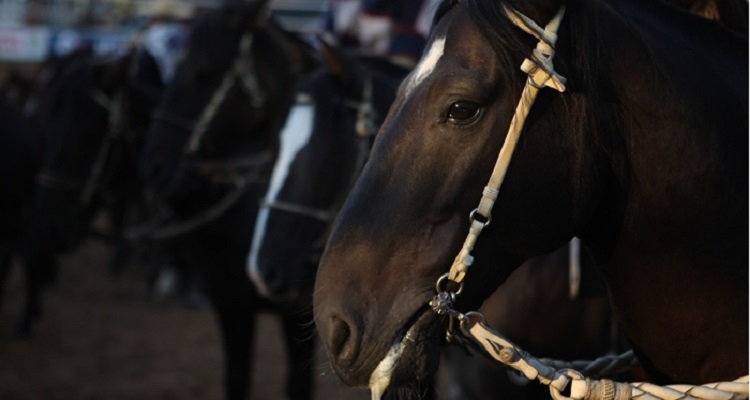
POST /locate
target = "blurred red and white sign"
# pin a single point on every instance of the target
(24, 44)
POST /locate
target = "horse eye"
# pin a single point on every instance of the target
(463, 111)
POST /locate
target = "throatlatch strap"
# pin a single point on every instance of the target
(541, 73)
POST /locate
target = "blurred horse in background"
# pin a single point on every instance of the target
(343, 103)
(88, 161)
(208, 157)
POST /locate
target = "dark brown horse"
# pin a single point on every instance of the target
(643, 155)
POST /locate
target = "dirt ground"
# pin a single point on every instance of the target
(102, 338)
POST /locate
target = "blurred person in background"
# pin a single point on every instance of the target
(394, 28)
(160, 45)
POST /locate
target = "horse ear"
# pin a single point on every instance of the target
(333, 59)
(250, 15)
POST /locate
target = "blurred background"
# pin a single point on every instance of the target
(114, 329)
(34, 30)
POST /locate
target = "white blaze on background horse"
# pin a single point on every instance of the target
(294, 137)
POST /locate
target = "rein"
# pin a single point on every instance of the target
(471, 327)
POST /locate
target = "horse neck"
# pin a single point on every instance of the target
(679, 101)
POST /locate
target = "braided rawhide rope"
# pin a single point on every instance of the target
(582, 388)
(602, 367)
(609, 365)
(473, 332)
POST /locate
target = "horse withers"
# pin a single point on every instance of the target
(641, 152)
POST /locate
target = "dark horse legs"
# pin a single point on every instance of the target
(233, 299)
(236, 303)
(39, 268)
(237, 318)
(6, 261)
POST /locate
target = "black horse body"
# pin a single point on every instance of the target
(644, 157)
(209, 155)
(78, 165)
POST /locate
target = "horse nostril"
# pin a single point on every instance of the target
(342, 340)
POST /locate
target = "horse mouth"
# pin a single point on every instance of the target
(413, 356)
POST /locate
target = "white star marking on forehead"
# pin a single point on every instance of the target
(426, 64)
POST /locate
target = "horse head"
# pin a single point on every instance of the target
(227, 100)
(595, 159)
(324, 146)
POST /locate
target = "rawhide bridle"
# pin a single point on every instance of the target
(541, 73)
(239, 173)
(242, 71)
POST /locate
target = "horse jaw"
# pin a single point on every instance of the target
(409, 344)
